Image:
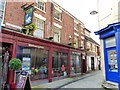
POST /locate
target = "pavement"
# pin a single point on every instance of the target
(63, 82)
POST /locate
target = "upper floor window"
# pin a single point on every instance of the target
(41, 5)
(82, 44)
(75, 25)
(39, 32)
(76, 42)
(87, 33)
(2, 6)
(93, 47)
(58, 15)
(88, 45)
(56, 36)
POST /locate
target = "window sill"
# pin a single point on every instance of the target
(75, 29)
(39, 9)
(57, 19)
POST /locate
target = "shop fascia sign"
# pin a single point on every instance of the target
(76, 53)
(36, 46)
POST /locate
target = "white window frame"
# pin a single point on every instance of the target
(59, 17)
(82, 44)
(75, 25)
(40, 27)
(76, 42)
(93, 47)
(3, 12)
(56, 30)
(88, 45)
(39, 6)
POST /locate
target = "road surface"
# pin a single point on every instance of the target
(92, 81)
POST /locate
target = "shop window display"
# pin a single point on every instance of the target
(75, 64)
(59, 64)
(41, 64)
(34, 61)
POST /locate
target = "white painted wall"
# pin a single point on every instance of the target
(102, 59)
(108, 12)
(89, 62)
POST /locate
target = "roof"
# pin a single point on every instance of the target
(110, 26)
(91, 40)
(108, 31)
(87, 30)
(67, 12)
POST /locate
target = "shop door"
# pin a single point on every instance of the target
(111, 65)
(92, 63)
(110, 56)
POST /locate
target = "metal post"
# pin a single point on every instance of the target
(0, 61)
(117, 35)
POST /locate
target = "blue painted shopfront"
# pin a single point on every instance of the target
(111, 38)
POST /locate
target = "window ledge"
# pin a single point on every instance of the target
(75, 29)
(57, 19)
(39, 9)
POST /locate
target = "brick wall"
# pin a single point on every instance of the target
(14, 15)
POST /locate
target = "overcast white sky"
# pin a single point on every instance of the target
(81, 9)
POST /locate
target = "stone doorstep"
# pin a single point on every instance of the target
(110, 85)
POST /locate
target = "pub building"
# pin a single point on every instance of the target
(43, 58)
(51, 59)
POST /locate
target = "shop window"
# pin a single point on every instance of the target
(40, 28)
(75, 64)
(59, 64)
(34, 61)
(41, 5)
(27, 56)
(41, 64)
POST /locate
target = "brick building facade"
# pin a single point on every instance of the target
(56, 48)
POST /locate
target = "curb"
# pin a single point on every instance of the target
(109, 86)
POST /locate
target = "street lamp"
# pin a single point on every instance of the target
(93, 12)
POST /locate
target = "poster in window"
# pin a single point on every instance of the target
(112, 61)
(26, 63)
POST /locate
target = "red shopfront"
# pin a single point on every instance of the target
(46, 59)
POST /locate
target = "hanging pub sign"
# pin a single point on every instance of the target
(28, 16)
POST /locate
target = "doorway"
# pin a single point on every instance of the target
(92, 63)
